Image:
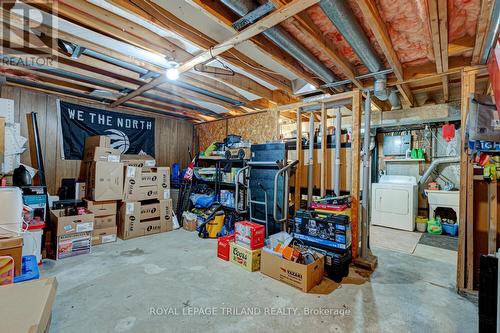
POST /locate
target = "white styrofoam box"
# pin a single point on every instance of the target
(7, 110)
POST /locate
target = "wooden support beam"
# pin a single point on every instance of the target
(483, 23)
(298, 170)
(374, 21)
(324, 144)
(493, 214)
(357, 100)
(267, 22)
(465, 272)
(443, 38)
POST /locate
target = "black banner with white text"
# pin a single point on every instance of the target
(130, 134)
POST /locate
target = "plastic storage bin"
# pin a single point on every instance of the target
(29, 270)
(450, 229)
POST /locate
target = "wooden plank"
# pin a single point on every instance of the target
(434, 25)
(324, 118)
(267, 22)
(483, 23)
(356, 167)
(443, 38)
(298, 172)
(492, 223)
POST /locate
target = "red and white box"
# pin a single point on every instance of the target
(249, 234)
(223, 246)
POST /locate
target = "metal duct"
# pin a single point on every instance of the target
(285, 41)
(434, 164)
(394, 100)
(340, 14)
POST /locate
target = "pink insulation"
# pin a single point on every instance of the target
(292, 26)
(407, 23)
(462, 18)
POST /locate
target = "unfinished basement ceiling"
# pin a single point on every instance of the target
(130, 42)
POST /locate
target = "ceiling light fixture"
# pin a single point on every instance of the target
(172, 70)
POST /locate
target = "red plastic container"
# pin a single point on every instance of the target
(223, 246)
(249, 234)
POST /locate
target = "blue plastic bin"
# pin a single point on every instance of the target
(450, 229)
(29, 270)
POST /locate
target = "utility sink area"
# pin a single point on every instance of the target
(444, 199)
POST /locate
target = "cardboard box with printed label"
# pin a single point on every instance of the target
(245, 258)
(103, 236)
(140, 184)
(105, 181)
(102, 154)
(103, 222)
(97, 141)
(140, 161)
(13, 247)
(101, 208)
(65, 225)
(73, 244)
(139, 219)
(303, 277)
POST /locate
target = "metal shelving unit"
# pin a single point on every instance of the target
(218, 184)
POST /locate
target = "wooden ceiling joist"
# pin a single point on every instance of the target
(269, 21)
(483, 23)
(164, 19)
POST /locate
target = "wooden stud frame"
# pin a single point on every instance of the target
(356, 98)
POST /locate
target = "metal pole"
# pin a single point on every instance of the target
(366, 180)
(338, 131)
(310, 167)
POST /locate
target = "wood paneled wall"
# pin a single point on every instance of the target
(173, 136)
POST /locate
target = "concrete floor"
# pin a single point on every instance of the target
(123, 287)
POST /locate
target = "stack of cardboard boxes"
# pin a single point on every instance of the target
(131, 183)
(146, 207)
(103, 173)
(245, 250)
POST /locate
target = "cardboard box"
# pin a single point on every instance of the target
(105, 181)
(97, 141)
(303, 277)
(104, 222)
(73, 244)
(13, 247)
(140, 161)
(64, 225)
(140, 184)
(102, 208)
(102, 154)
(28, 305)
(131, 225)
(245, 258)
(103, 236)
(223, 246)
(249, 234)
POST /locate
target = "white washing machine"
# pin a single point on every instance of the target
(395, 202)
